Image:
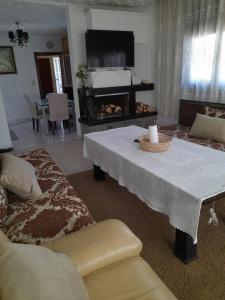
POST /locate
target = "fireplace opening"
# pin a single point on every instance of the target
(112, 105)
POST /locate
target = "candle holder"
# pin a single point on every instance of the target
(162, 145)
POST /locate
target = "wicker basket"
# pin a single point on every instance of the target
(163, 145)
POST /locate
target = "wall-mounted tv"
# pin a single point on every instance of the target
(109, 49)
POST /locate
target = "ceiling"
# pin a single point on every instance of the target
(48, 16)
(33, 17)
(125, 3)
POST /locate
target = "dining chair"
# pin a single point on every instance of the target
(35, 113)
(58, 109)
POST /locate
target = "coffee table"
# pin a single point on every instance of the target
(176, 182)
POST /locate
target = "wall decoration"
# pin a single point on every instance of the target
(49, 44)
(7, 60)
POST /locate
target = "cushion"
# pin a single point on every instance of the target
(18, 176)
(215, 112)
(37, 273)
(3, 237)
(3, 206)
(209, 128)
(130, 279)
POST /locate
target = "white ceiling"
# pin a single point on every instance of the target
(48, 16)
(33, 17)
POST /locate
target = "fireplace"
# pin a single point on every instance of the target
(105, 105)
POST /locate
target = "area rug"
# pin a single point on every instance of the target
(204, 278)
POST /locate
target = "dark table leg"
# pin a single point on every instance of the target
(99, 175)
(185, 249)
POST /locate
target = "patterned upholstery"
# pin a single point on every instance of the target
(215, 112)
(57, 213)
(3, 206)
(181, 132)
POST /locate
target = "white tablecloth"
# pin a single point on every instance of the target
(174, 182)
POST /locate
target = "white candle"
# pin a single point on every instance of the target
(153, 134)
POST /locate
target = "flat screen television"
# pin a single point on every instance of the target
(109, 49)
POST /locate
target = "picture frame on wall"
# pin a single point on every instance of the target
(7, 60)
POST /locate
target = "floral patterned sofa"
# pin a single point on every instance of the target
(188, 111)
(182, 132)
(57, 213)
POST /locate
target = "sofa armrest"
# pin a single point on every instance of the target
(98, 246)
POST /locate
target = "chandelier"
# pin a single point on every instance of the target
(19, 38)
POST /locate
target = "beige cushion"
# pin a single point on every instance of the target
(3, 237)
(36, 273)
(18, 176)
(208, 128)
(131, 279)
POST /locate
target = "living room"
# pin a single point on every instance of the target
(126, 185)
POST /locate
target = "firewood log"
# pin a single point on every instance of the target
(118, 108)
(109, 110)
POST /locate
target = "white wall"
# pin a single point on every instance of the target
(102, 19)
(5, 139)
(146, 57)
(25, 81)
(76, 28)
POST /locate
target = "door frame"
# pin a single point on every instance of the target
(36, 54)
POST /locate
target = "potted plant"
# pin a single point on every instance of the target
(82, 74)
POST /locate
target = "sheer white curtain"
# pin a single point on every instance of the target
(203, 74)
(171, 27)
(191, 57)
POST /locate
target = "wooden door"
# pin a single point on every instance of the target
(44, 76)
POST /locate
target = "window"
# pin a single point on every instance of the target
(222, 62)
(202, 54)
(206, 60)
(58, 74)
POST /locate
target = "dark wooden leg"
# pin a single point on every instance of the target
(49, 125)
(33, 123)
(53, 128)
(65, 124)
(37, 124)
(68, 122)
(99, 175)
(185, 249)
(55, 125)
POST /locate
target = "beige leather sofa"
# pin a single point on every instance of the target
(107, 255)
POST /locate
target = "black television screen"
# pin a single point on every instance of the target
(108, 49)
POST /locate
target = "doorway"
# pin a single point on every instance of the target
(48, 66)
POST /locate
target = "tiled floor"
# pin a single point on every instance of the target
(66, 150)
